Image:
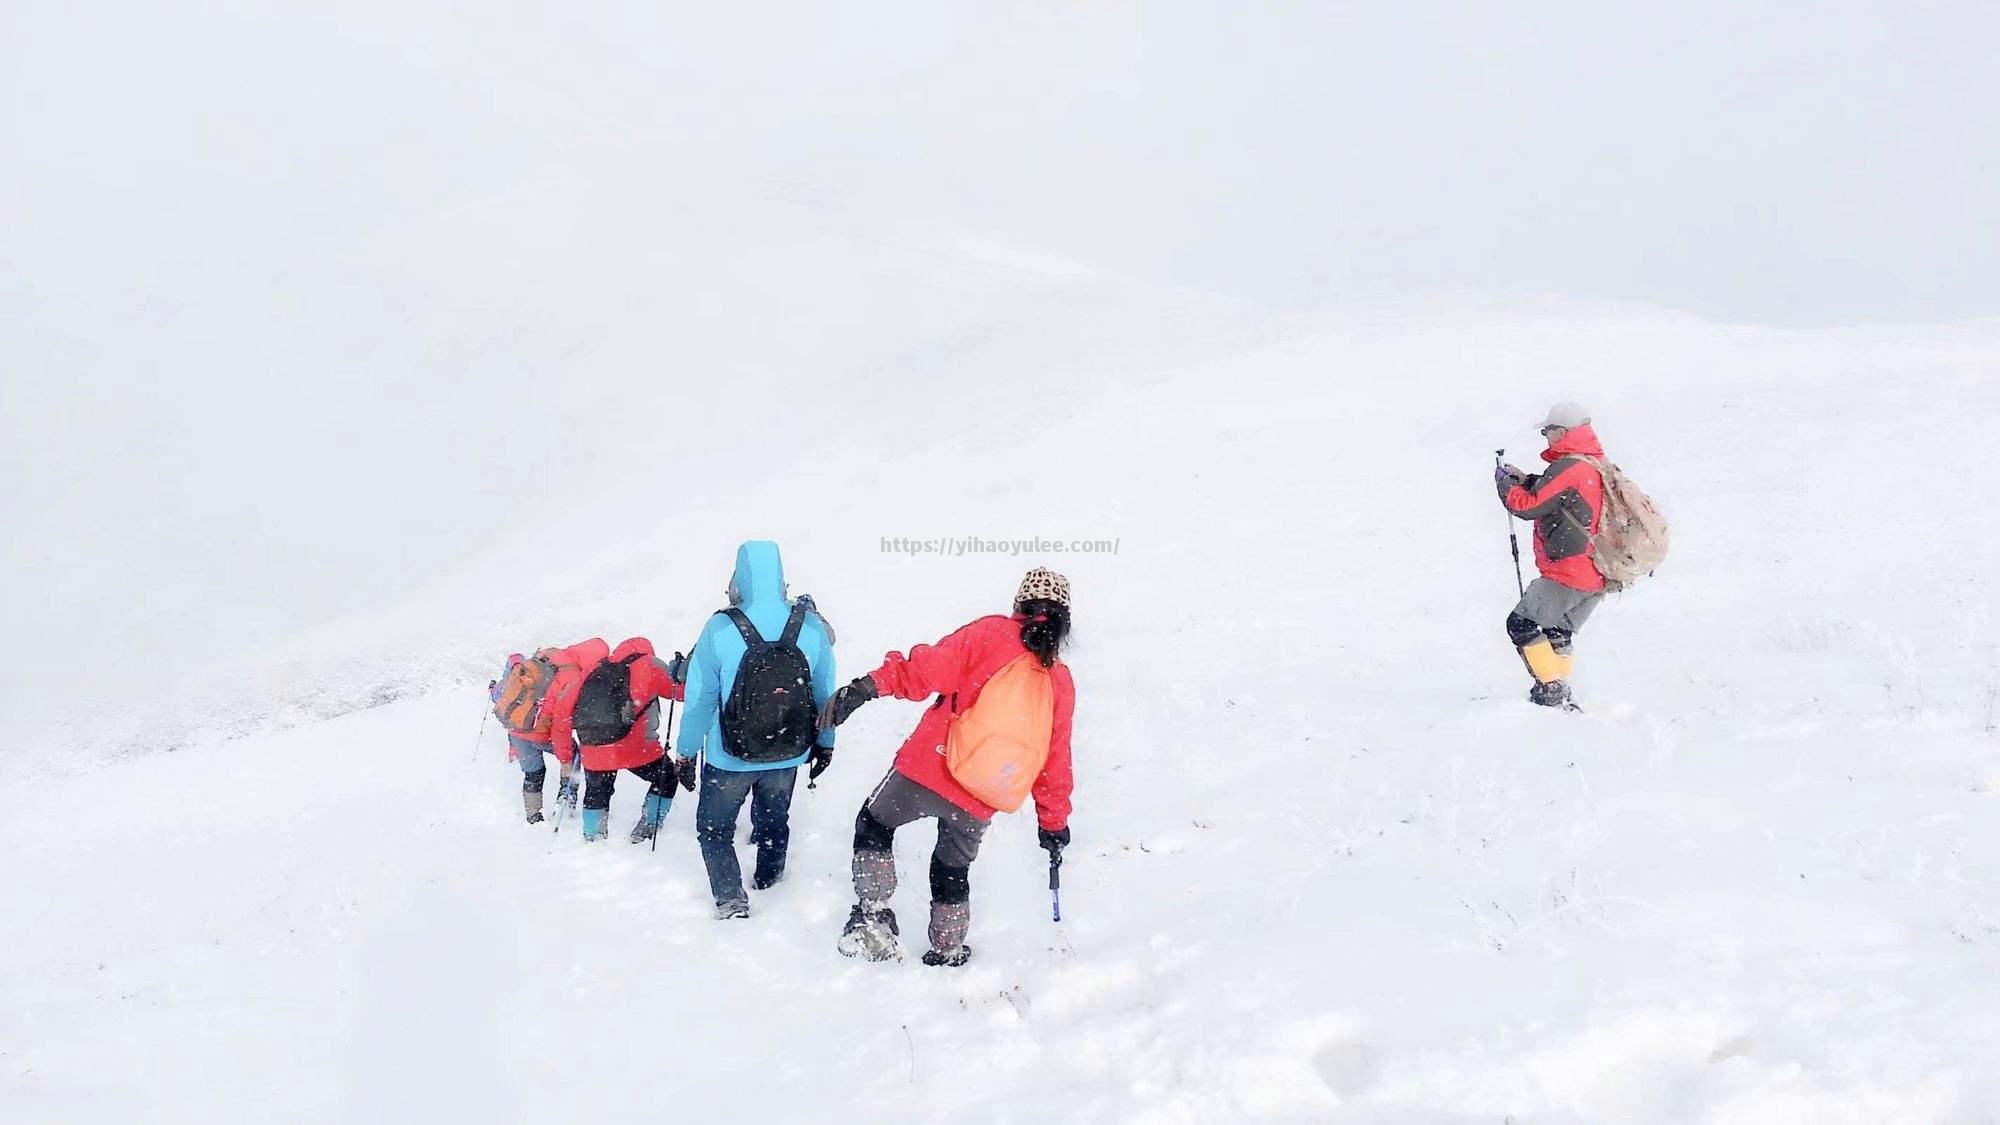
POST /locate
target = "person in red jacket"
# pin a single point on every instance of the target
(650, 681)
(920, 785)
(530, 744)
(1566, 502)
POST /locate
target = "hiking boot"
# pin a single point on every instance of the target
(1552, 694)
(724, 911)
(870, 935)
(649, 819)
(767, 877)
(948, 958)
(531, 803)
(594, 826)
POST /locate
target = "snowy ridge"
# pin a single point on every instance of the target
(1329, 866)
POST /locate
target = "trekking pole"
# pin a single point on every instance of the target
(1055, 885)
(672, 783)
(1513, 538)
(562, 803)
(482, 734)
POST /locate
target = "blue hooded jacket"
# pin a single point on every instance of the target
(758, 589)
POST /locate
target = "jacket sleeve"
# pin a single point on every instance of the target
(823, 675)
(1536, 497)
(562, 717)
(703, 692)
(1058, 780)
(651, 682)
(928, 670)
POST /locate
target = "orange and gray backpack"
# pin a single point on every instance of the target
(997, 747)
(519, 705)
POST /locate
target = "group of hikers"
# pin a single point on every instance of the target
(760, 702)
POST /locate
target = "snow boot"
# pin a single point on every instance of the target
(531, 794)
(948, 958)
(649, 819)
(767, 874)
(593, 824)
(724, 911)
(870, 935)
(1552, 694)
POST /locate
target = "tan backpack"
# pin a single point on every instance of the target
(997, 747)
(1631, 539)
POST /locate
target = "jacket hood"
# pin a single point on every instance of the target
(586, 654)
(1581, 441)
(760, 573)
(632, 646)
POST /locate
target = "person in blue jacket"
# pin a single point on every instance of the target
(757, 760)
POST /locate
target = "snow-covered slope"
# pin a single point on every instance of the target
(1329, 865)
(344, 351)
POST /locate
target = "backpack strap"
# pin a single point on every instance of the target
(743, 626)
(794, 623)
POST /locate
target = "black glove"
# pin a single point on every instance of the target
(820, 758)
(688, 772)
(846, 702)
(1053, 842)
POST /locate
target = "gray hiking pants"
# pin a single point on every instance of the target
(899, 801)
(1553, 609)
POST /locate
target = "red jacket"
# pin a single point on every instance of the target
(1566, 503)
(567, 677)
(650, 684)
(960, 665)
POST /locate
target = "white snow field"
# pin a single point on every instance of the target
(346, 348)
(1329, 864)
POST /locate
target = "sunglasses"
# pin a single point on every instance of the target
(1547, 430)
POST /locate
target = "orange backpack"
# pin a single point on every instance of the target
(997, 747)
(521, 693)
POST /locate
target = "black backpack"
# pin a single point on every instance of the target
(604, 711)
(769, 716)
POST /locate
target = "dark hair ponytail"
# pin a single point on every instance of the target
(1044, 628)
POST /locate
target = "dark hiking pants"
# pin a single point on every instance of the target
(598, 784)
(722, 795)
(899, 801)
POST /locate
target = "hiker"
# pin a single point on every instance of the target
(998, 731)
(608, 714)
(1566, 502)
(521, 702)
(756, 680)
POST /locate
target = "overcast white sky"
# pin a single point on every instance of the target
(187, 189)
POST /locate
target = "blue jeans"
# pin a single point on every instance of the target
(529, 754)
(722, 796)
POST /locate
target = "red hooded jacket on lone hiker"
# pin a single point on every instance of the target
(961, 664)
(1566, 503)
(650, 685)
